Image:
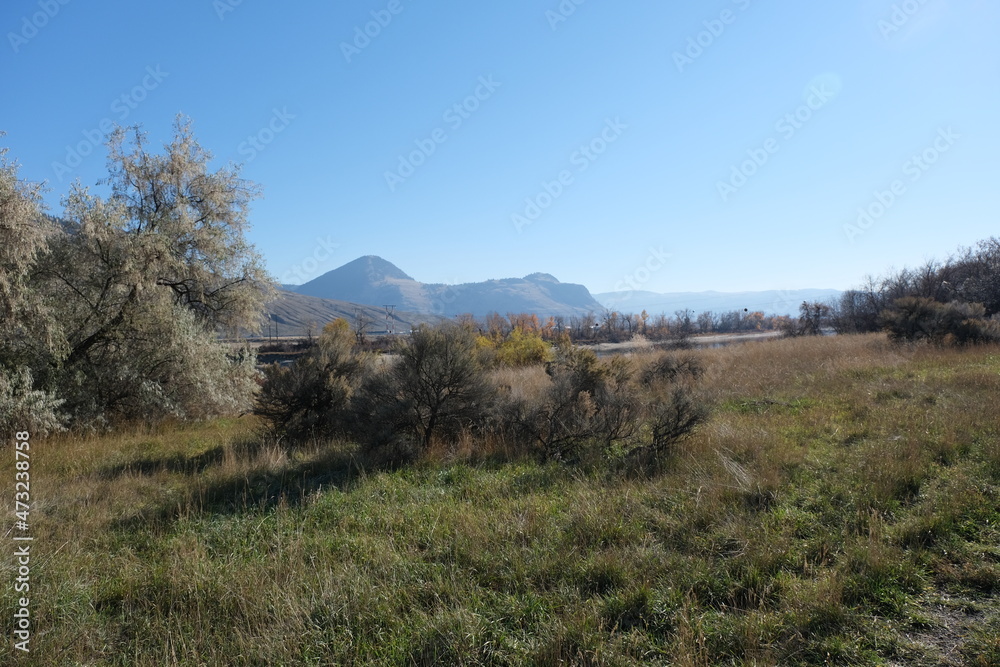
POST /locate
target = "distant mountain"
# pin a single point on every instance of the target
(292, 314)
(771, 302)
(374, 281)
(369, 280)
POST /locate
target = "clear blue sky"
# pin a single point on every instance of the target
(676, 117)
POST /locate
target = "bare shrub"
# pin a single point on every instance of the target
(437, 386)
(605, 405)
(671, 418)
(672, 368)
(619, 409)
(670, 410)
(311, 399)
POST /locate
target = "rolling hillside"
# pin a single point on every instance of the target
(292, 314)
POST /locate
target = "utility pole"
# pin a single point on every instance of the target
(388, 318)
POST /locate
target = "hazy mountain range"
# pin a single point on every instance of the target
(771, 302)
(374, 281)
(366, 285)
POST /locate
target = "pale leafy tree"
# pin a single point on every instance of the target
(142, 281)
(23, 232)
(24, 408)
(187, 225)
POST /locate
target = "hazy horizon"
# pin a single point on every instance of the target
(625, 289)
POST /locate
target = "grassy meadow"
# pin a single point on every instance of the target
(841, 506)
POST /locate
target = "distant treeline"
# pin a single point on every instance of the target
(615, 326)
(952, 301)
(957, 300)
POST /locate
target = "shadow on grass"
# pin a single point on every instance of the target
(254, 490)
(261, 490)
(209, 486)
(186, 465)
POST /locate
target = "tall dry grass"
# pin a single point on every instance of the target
(843, 492)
